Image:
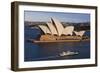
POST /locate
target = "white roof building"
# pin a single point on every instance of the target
(55, 27)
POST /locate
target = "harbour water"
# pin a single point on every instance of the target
(51, 51)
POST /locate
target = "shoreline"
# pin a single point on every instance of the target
(57, 41)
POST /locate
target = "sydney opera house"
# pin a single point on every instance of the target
(54, 31)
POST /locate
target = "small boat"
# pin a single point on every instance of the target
(68, 53)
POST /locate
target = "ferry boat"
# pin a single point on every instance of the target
(68, 53)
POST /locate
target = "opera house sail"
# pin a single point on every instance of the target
(80, 33)
(52, 29)
(59, 27)
(68, 30)
(44, 29)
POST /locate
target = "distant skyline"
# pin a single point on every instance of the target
(40, 16)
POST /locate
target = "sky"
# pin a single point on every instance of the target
(39, 16)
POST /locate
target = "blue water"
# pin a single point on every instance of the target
(50, 51)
